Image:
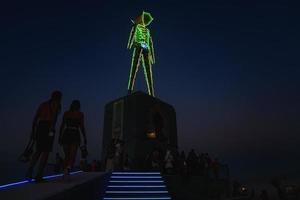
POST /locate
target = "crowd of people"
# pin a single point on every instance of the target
(173, 162)
(167, 161)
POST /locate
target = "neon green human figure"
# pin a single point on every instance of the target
(140, 41)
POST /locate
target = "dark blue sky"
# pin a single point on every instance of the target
(230, 68)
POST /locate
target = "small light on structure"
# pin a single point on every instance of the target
(151, 135)
(244, 191)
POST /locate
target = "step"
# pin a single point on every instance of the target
(138, 198)
(136, 185)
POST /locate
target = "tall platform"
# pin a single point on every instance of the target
(143, 123)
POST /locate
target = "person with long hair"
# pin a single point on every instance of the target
(43, 130)
(71, 129)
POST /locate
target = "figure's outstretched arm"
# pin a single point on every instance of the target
(131, 36)
(152, 51)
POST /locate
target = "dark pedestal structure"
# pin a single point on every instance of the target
(143, 123)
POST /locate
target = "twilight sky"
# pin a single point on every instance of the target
(230, 68)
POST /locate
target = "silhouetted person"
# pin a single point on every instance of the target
(71, 128)
(83, 158)
(94, 166)
(169, 162)
(182, 156)
(154, 160)
(176, 156)
(192, 162)
(98, 165)
(118, 157)
(207, 165)
(264, 195)
(126, 162)
(278, 186)
(109, 161)
(252, 194)
(84, 165)
(43, 130)
(215, 165)
(58, 163)
(182, 163)
(201, 161)
(183, 171)
(235, 188)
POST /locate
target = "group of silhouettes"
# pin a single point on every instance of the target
(71, 134)
(173, 162)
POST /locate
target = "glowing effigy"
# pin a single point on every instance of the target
(141, 41)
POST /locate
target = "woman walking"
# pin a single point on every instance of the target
(70, 130)
(43, 130)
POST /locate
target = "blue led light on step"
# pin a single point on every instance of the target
(136, 186)
(137, 192)
(136, 177)
(128, 185)
(136, 173)
(136, 181)
(138, 198)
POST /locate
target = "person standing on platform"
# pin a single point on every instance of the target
(43, 130)
(109, 164)
(118, 157)
(58, 163)
(169, 160)
(69, 137)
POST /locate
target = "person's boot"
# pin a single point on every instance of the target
(39, 176)
(129, 92)
(29, 174)
(66, 173)
(39, 179)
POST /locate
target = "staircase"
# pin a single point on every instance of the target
(136, 186)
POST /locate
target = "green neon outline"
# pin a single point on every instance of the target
(137, 67)
(146, 76)
(132, 60)
(130, 39)
(151, 78)
(152, 51)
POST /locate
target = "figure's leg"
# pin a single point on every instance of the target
(148, 73)
(136, 56)
(67, 150)
(42, 165)
(32, 164)
(73, 153)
